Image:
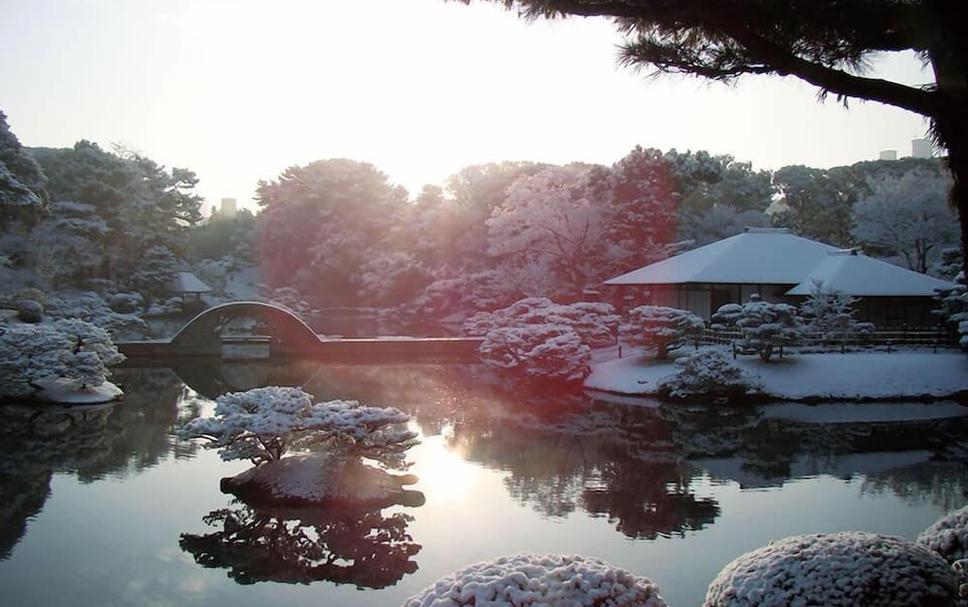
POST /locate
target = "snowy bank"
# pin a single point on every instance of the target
(65, 391)
(828, 376)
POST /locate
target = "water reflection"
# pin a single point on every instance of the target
(90, 443)
(588, 471)
(364, 548)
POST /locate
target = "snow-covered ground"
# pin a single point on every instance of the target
(833, 376)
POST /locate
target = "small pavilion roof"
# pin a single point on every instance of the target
(187, 282)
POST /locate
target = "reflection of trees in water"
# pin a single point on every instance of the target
(364, 548)
(943, 484)
(562, 449)
(561, 457)
(90, 442)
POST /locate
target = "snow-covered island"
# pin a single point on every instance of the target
(332, 438)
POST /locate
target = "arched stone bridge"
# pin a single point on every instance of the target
(290, 336)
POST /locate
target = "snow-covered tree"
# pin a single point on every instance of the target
(68, 246)
(21, 180)
(829, 315)
(156, 267)
(538, 351)
(709, 374)
(89, 306)
(953, 310)
(391, 277)
(908, 216)
(765, 326)
(595, 323)
(321, 223)
(67, 349)
(550, 216)
(660, 329)
(526, 580)
(640, 195)
(948, 265)
(263, 424)
(29, 353)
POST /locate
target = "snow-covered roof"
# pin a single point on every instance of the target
(857, 274)
(187, 282)
(757, 256)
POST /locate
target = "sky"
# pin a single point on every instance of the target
(238, 90)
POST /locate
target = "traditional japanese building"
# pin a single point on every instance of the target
(780, 267)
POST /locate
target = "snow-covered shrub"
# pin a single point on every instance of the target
(709, 373)
(29, 353)
(948, 536)
(660, 329)
(953, 310)
(835, 570)
(765, 326)
(91, 352)
(526, 580)
(545, 351)
(595, 323)
(88, 306)
(948, 265)
(173, 306)
(67, 349)
(263, 424)
(829, 315)
(126, 303)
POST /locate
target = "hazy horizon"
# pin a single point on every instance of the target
(238, 91)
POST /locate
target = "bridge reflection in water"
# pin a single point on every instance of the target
(285, 334)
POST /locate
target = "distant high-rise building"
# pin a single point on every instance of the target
(921, 148)
(888, 155)
(228, 208)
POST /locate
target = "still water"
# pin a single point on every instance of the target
(105, 506)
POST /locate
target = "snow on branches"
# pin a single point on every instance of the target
(764, 325)
(837, 570)
(526, 580)
(595, 323)
(948, 536)
(88, 306)
(263, 424)
(829, 315)
(72, 350)
(660, 329)
(539, 351)
(709, 374)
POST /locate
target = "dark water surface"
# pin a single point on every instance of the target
(105, 506)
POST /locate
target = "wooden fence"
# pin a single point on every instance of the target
(886, 339)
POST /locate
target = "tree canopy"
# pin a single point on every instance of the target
(827, 43)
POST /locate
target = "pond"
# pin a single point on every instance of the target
(105, 506)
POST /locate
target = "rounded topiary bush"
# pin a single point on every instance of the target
(849, 569)
(948, 536)
(526, 580)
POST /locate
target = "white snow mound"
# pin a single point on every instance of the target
(836, 570)
(546, 581)
(948, 536)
